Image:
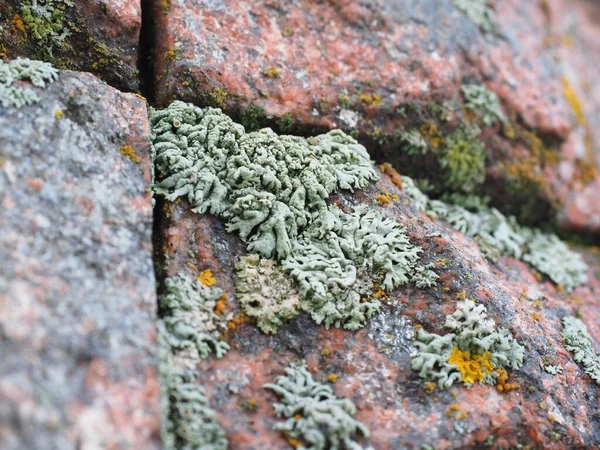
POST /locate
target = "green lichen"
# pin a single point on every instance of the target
(498, 235)
(187, 421)
(253, 117)
(265, 292)
(480, 99)
(314, 414)
(193, 328)
(17, 95)
(478, 12)
(46, 24)
(463, 160)
(579, 342)
(472, 351)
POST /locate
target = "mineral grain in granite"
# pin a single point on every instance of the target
(77, 290)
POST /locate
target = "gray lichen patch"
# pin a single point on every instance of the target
(313, 413)
(192, 325)
(187, 422)
(273, 190)
(497, 235)
(579, 342)
(265, 292)
(473, 351)
(16, 95)
(481, 100)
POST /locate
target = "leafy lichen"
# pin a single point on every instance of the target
(193, 327)
(478, 12)
(46, 24)
(265, 292)
(187, 422)
(272, 190)
(314, 414)
(580, 344)
(20, 69)
(480, 99)
(473, 351)
(501, 235)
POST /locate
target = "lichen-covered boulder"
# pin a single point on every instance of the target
(470, 353)
(466, 95)
(77, 290)
(101, 37)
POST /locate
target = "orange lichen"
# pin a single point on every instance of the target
(325, 352)
(388, 169)
(537, 304)
(385, 197)
(585, 171)
(332, 377)
(238, 320)
(165, 5)
(206, 278)
(430, 132)
(536, 317)
(18, 25)
(573, 99)
(126, 150)
(221, 304)
(501, 382)
(271, 72)
(455, 412)
(294, 442)
(429, 387)
(537, 275)
(378, 293)
(472, 367)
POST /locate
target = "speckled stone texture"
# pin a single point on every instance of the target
(356, 64)
(373, 364)
(77, 290)
(103, 38)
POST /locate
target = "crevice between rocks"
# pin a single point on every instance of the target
(146, 53)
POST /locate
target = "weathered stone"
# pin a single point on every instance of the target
(374, 67)
(94, 36)
(373, 365)
(77, 291)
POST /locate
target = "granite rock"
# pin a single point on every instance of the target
(374, 67)
(372, 366)
(100, 36)
(77, 290)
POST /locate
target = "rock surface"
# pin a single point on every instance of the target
(374, 67)
(373, 365)
(77, 290)
(99, 36)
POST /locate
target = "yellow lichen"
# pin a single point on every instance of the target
(332, 377)
(206, 278)
(472, 367)
(58, 114)
(370, 99)
(325, 352)
(573, 99)
(388, 169)
(271, 72)
(218, 95)
(385, 197)
(126, 150)
(536, 317)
